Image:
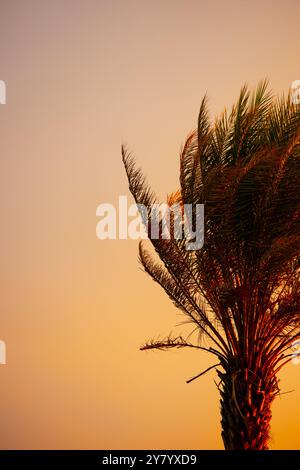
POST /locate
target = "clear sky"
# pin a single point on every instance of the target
(82, 77)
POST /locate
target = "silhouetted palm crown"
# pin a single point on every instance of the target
(241, 289)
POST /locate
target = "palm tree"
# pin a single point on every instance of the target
(241, 289)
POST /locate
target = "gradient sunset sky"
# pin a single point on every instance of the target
(82, 77)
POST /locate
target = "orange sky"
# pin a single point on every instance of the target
(82, 77)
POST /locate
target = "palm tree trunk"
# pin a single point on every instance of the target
(246, 409)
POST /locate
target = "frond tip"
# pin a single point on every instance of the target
(137, 182)
(177, 343)
(202, 373)
(169, 343)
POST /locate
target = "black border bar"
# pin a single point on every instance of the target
(150, 458)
